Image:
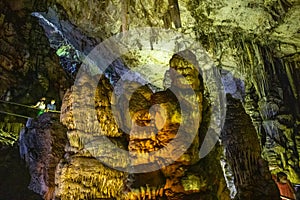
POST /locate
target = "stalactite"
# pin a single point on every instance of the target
(281, 9)
(175, 13)
(262, 71)
(124, 15)
(270, 59)
(212, 44)
(146, 192)
(254, 73)
(249, 53)
(291, 79)
(257, 88)
(243, 66)
(258, 53)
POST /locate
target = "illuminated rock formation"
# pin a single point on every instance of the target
(251, 174)
(155, 127)
(256, 42)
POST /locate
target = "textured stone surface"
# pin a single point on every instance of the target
(251, 174)
(183, 178)
(160, 113)
(9, 133)
(272, 103)
(79, 177)
(29, 68)
(90, 111)
(257, 41)
(42, 145)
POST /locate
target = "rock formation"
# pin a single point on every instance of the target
(155, 122)
(254, 44)
(42, 145)
(251, 174)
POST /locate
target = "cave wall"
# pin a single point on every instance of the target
(258, 42)
(30, 69)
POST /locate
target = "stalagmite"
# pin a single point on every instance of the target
(244, 158)
(175, 13)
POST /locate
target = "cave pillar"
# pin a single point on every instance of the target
(242, 149)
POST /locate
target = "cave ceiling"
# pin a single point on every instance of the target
(224, 28)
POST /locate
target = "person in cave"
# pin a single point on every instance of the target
(285, 187)
(41, 106)
(51, 106)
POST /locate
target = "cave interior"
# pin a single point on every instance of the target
(163, 99)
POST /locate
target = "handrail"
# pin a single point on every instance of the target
(18, 104)
(13, 114)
